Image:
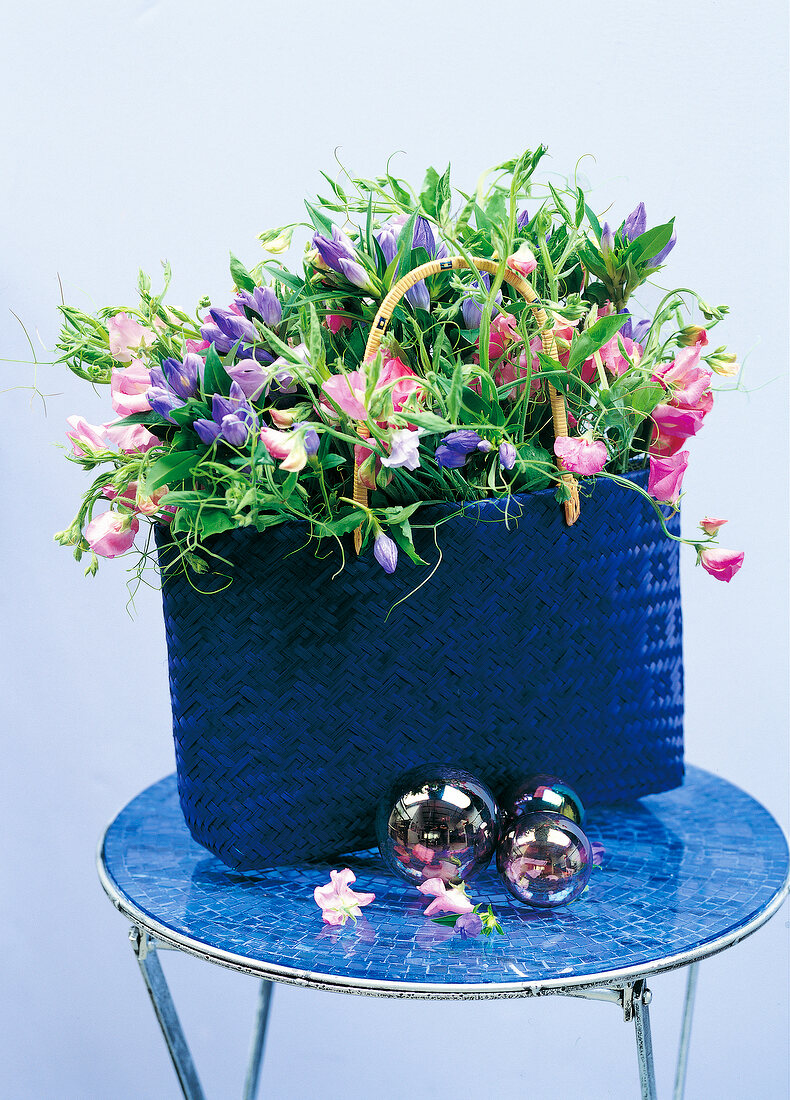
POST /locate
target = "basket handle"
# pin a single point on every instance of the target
(518, 282)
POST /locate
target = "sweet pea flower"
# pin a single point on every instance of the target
(347, 391)
(523, 261)
(635, 224)
(612, 353)
(111, 533)
(288, 447)
(127, 335)
(338, 901)
(399, 380)
(128, 388)
(335, 322)
(404, 449)
(721, 564)
(452, 900)
(666, 476)
(581, 454)
(711, 526)
(385, 551)
(89, 439)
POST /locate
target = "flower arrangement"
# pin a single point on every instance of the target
(262, 411)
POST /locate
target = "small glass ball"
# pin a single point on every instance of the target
(545, 792)
(544, 859)
(437, 821)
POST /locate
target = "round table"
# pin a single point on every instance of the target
(685, 874)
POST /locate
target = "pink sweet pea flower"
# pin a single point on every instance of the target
(287, 446)
(666, 476)
(130, 438)
(85, 438)
(111, 533)
(523, 261)
(581, 454)
(685, 379)
(721, 564)
(453, 900)
(338, 901)
(131, 496)
(612, 355)
(194, 347)
(334, 322)
(400, 380)
(127, 335)
(504, 331)
(347, 391)
(711, 526)
(128, 387)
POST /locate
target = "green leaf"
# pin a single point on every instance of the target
(398, 515)
(319, 220)
(456, 387)
(650, 243)
(562, 209)
(645, 398)
(338, 190)
(579, 218)
(214, 522)
(402, 535)
(428, 193)
(173, 467)
(240, 275)
(315, 344)
(475, 404)
(594, 338)
(138, 418)
(400, 193)
(593, 220)
(215, 378)
(189, 498)
(428, 420)
(344, 524)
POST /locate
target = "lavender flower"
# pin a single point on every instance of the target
(385, 551)
(310, 437)
(635, 224)
(388, 242)
(522, 220)
(507, 455)
(665, 251)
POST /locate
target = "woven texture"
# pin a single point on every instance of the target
(534, 647)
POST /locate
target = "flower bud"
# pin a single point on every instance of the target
(385, 551)
(692, 335)
(275, 241)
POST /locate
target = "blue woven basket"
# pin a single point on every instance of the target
(297, 696)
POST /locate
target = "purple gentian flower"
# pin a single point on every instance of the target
(263, 301)
(455, 448)
(182, 376)
(607, 239)
(469, 925)
(665, 251)
(640, 330)
(484, 446)
(163, 401)
(635, 224)
(522, 220)
(507, 455)
(385, 551)
(388, 242)
(233, 418)
(472, 311)
(340, 255)
(234, 327)
(222, 343)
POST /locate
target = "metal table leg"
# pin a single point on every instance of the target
(644, 1044)
(258, 1040)
(685, 1033)
(159, 992)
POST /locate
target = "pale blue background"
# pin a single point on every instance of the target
(135, 131)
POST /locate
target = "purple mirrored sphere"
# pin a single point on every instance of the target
(545, 792)
(544, 859)
(437, 821)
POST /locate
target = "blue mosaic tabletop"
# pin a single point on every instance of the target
(684, 874)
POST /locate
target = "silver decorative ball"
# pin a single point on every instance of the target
(545, 792)
(437, 821)
(544, 859)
